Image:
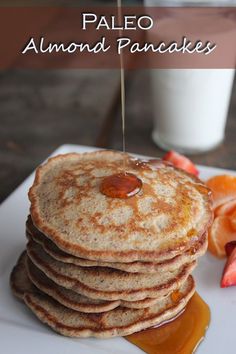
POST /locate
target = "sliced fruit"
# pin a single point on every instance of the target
(233, 219)
(229, 273)
(227, 208)
(220, 233)
(223, 188)
(181, 161)
(229, 247)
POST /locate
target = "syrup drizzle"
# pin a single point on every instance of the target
(122, 86)
(180, 336)
(151, 164)
(121, 185)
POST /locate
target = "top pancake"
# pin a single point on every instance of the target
(171, 212)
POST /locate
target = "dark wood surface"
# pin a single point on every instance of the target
(42, 110)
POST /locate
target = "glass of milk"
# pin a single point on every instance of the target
(191, 105)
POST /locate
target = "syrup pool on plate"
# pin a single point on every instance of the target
(180, 336)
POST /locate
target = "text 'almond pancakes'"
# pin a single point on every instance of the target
(101, 266)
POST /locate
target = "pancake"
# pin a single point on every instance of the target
(74, 300)
(117, 322)
(197, 250)
(19, 281)
(107, 283)
(170, 213)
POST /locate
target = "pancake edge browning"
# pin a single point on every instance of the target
(72, 282)
(60, 294)
(101, 255)
(95, 324)
(197, 250)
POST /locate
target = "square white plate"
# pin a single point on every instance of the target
(21, 332)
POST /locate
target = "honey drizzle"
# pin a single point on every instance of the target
(182, 335)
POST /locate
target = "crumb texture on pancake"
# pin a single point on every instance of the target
(172, 211)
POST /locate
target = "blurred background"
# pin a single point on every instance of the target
(41, 110)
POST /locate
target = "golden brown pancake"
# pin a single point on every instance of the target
(196, 250)
(106, 283)
(101, 266)
(19, 281)
(169, 214)
(75, 301)
(117, 322)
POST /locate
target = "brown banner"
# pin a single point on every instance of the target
(96, 37)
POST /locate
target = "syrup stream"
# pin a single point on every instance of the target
(121, 185)
(122, 85)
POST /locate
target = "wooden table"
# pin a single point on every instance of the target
(41, 110)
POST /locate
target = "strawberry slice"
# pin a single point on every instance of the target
(181, 161)
(229, 247)
(229, 273)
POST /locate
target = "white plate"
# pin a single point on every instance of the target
(21, 332)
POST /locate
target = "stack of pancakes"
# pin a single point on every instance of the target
(101, 266)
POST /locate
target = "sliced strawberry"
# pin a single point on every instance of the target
(181, 161)
(229, 274)
(229, 247)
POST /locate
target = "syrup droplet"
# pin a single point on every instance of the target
(192, 232)
(182, 335)
(176, 296)
(151, 164)
(203, 189)
(121, 185)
